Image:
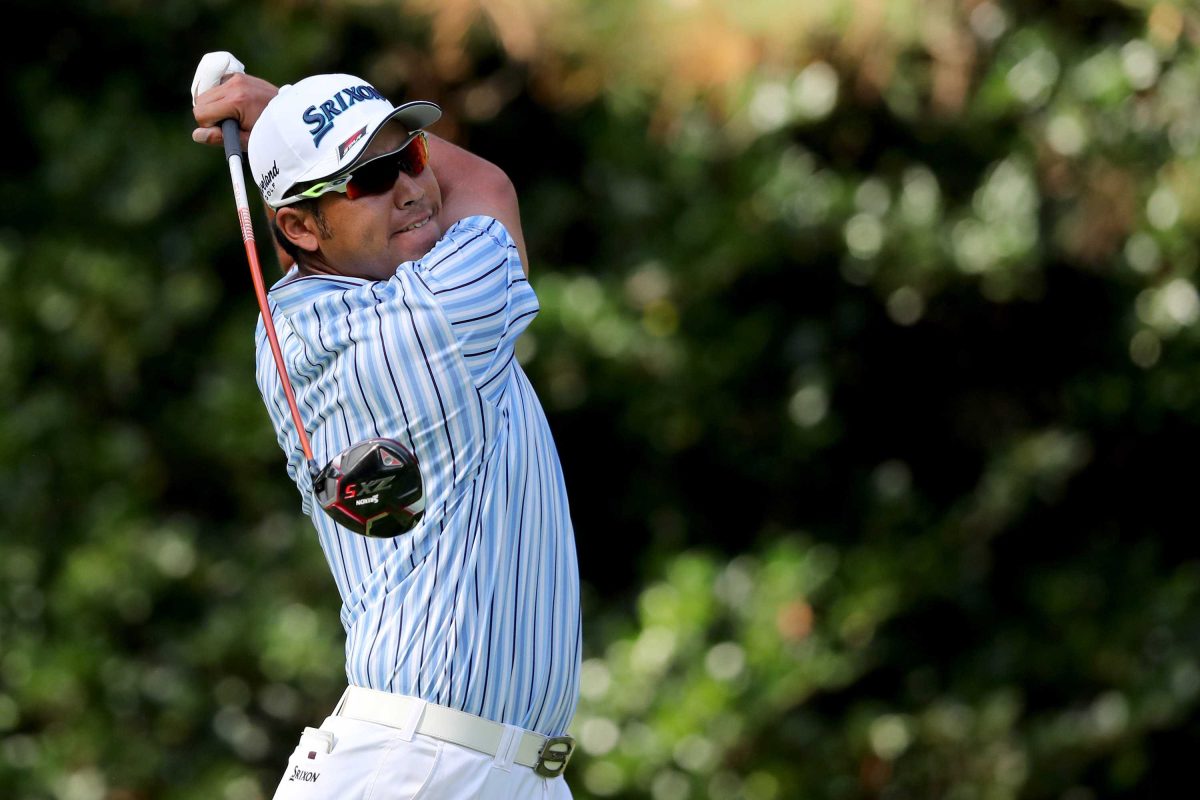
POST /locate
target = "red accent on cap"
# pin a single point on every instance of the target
(346, 145)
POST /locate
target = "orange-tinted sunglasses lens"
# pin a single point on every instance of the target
(379, 175)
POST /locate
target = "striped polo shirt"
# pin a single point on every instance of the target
(477, 608)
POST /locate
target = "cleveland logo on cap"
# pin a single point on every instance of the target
(321, 117)
(268, 178)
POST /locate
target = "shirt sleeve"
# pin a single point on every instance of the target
(475, 273)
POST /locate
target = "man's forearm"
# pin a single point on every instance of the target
(471, 185)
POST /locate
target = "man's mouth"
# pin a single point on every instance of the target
(415, 225)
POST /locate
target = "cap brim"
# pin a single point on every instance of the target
(413, 116)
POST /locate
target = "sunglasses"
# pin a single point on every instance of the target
(376, 176)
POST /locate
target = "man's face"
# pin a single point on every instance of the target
(369, 237)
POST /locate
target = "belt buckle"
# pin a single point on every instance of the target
(554, 755)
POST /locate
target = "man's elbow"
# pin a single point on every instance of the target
(495, 184)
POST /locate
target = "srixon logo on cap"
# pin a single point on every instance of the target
(321, 116)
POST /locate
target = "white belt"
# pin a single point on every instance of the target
(546, 756)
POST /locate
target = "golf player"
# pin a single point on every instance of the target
(399, 319)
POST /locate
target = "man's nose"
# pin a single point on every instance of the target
(407, 190)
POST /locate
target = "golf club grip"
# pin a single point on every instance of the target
(231, 135)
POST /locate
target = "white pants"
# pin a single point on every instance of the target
(348, 759)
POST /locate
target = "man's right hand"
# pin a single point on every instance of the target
(239, 96)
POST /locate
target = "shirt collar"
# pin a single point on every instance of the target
(295, 291)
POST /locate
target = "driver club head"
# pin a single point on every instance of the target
(373, 488)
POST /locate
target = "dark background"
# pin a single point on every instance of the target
(867, 338)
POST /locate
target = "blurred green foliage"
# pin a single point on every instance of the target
(868, 337)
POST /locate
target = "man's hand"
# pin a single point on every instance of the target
(239, 96)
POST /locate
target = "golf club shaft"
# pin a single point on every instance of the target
(233, 154)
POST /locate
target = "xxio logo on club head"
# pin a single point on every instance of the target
(373, 487)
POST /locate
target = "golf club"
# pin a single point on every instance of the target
(373, 487)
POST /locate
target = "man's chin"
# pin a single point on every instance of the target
(414, 244)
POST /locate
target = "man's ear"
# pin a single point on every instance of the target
(286, 262)
(299, 227)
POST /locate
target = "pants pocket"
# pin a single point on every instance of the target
(348, 759)
(306, 766)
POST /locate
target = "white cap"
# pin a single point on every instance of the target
(318, 128)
